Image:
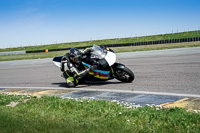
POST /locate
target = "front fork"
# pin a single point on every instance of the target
(115, 67)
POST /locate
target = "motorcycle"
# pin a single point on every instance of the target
(107, 66)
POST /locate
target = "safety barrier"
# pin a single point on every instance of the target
(131, 44)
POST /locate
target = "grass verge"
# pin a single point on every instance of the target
(180, 35)
(116, 49)
(54, 114)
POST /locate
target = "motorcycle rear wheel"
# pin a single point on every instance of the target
(124, 75)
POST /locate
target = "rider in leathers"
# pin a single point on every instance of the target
(73, 72)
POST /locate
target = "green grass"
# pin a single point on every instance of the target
(108, 41)
(53, 114)
(32, 56)
(116, 49)
(103, 42)
(156, 47)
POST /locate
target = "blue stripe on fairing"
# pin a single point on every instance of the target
(86, 64)
(104, 72)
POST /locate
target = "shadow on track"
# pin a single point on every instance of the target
(87, 83)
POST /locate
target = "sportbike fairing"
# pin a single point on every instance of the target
(99, 53)
(99, 73)
(107, 66)
(57, 60)
(110, 57)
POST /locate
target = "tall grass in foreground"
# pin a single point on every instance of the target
(53, 114)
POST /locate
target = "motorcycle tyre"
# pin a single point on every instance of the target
(128, 72)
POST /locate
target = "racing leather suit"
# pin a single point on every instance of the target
(73, 72)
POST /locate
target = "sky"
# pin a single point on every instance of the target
(41, 22)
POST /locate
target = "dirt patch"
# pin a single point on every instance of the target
(12, 104)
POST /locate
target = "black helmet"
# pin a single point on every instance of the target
(75, 55)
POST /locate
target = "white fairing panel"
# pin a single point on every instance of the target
(56, 63)
(110, 58)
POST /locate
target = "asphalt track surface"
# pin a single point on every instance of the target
(175, 71)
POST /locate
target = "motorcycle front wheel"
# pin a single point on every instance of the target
(124, 75)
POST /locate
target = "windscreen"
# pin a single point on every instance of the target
(97, 50)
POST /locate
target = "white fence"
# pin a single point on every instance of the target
(12, 53)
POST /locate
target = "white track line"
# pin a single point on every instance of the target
(107, 90)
